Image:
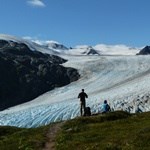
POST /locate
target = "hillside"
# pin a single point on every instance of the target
(26, 74)
(116, 130)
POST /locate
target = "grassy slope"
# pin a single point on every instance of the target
(12, 138)
(113, 131)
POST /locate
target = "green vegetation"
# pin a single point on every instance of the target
(12, 138)
(112, 131)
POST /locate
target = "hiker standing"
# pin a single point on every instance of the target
(82, 97)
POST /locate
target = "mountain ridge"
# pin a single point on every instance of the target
(26, 74)
(56, 48)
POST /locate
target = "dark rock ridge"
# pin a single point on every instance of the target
(91, 51)
(26, 74)
(145, 51)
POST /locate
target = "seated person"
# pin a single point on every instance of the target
(105, 107)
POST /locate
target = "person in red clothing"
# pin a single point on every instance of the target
(82, 97)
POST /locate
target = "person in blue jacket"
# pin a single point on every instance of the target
(105, 107)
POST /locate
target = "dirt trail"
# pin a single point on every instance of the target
(54, 129)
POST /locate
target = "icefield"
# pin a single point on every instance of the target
(123, 80)
(117, 75)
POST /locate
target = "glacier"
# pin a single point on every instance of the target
(123, 80)
(118, 75)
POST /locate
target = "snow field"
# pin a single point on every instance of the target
(123, 80)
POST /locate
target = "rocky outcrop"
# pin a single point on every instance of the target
(145, 51)
(26, 74)
(90, 51)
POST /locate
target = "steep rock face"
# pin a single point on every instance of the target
(26, 74)
(145, 51)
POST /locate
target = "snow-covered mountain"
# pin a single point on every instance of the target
(83, 50)
(116, 49)
(33, 45)
(123, 80)
(102, 49)
(53, 47)
(91, 51)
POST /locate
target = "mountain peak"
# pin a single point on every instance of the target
(145, 51)
(55, 45)
(91, 51)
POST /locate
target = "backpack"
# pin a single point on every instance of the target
(87, 111)
(108, 108)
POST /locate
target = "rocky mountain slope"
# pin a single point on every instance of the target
(144, 51)
(26, 74)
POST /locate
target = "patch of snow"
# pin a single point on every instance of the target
(116, 49)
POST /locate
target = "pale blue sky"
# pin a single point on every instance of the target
(75, 22)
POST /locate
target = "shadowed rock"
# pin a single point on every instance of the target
(26, 74)
(145, 51)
